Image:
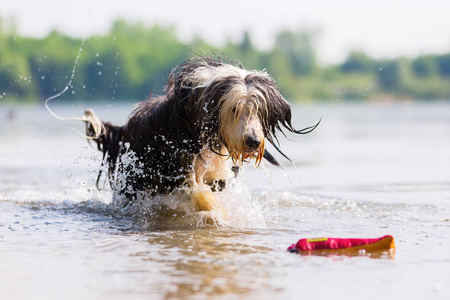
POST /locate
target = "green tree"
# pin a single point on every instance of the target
(16, 80)
(133, 59)
(246, 44)
(425, 66)
(443, 62)
(51, 61)
(389, 75)
(298, 48)
(357, 62)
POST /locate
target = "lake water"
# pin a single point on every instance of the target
(368, 170)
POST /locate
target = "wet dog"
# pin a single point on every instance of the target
(214, 117)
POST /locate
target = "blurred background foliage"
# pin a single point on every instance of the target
(133, 60)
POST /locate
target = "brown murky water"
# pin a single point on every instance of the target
(367, 171)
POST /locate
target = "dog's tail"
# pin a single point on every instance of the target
(109, 140)
(94, 126)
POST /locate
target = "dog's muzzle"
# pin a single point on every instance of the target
(252, 142)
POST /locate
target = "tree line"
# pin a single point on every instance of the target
(133, 60)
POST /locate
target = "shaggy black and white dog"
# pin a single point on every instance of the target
(213, 118)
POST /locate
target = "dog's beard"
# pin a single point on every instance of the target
(239, 157)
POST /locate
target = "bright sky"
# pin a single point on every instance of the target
(382, 28)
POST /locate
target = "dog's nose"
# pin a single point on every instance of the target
(252, 141)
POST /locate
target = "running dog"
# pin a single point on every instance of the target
(214, 117)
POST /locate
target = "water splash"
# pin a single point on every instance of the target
(68, 85)
(236, 208)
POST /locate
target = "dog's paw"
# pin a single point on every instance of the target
(203, 200)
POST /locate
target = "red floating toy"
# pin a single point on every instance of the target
(327, 246)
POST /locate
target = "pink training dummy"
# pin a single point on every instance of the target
(339, 246)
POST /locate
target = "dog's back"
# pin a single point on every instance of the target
(149, 153)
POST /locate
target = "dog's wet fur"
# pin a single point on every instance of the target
(213, 117)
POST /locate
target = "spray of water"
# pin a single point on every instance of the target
(89, 116)
(66, 88)
(235, 206)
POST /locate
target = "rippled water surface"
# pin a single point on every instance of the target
(368, 170)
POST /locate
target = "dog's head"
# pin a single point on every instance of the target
(240, 124)
(236, 108)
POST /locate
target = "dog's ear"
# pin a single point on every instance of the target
(271, 159)
(287, 117)
(276, 112)
(278, 108)
(283, 114)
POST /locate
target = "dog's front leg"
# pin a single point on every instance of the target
(203, 199)
(201, 195)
